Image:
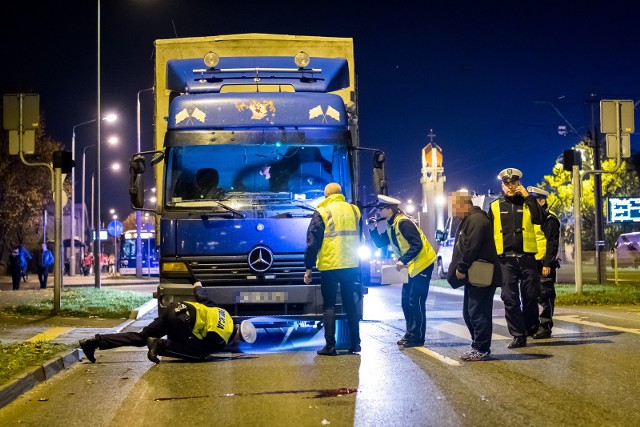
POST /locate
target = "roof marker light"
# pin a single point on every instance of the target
(302, 59)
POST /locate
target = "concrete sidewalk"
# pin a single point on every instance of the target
(60, 329)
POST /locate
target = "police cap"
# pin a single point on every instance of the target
(510, 175)
(538, 193)
(387, 202)
(248, 332)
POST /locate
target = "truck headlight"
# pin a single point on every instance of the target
(174, 267)
(364, 252)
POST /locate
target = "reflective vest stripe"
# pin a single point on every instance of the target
(528, 232)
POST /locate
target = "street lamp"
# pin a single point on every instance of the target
(112, 140)
(72, 246)
(138, 213)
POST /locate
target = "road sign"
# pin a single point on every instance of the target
(115, 228)
(613, 120)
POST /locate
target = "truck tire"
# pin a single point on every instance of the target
(343, 338)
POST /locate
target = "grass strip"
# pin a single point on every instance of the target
(18, 358)
(86, 302)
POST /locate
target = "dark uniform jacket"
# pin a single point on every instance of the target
(511, 209)
(474, 240)
(551, 230)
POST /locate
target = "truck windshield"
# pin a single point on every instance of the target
(242, 174)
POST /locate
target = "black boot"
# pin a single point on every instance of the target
(153, 344)
(329, 320)
(89, 347)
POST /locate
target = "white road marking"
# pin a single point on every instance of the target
(574, 318)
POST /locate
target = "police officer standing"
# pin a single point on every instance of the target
(333, 238)
(418, 256)
(548, 239)
(513, 216)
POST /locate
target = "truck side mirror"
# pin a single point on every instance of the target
(136, 184)
(379, 179)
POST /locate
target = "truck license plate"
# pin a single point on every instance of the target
(260, 297)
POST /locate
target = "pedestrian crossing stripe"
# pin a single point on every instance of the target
(460, 331)
(556, 330)
(574, 318)
(438, 356)
(49, 334)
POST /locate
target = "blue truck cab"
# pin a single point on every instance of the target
(250, 144)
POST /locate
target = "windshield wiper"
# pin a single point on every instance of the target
(225, 207)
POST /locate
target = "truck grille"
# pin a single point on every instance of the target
(235, 270)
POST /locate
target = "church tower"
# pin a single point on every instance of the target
(434, 200)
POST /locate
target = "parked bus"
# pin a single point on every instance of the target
(127, 262)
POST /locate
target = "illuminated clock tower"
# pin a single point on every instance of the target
(434, 200)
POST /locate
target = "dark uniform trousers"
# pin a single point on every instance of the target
(520, 280)
(176, 322)
(477, 312)
(547, 298)
(414, 304)
(347, 279)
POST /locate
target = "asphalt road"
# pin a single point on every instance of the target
(585, 375)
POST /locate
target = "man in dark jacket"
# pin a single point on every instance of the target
(513, 216)
(193, 329)
(474, 241)
(548, 238)
(43, 262)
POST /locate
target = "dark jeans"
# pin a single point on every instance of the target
(520, 289)
(15, 279)
(477, 312)
(43, 275)
(347, 280)
(414, 304)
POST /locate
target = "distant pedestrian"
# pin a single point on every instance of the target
(548, 239)
(112, 264)
(44, 261)
(333, 237)
(15, 267)
(88, 263)
(416, 255)
(193, 329)
(25, 257)
(474, 241)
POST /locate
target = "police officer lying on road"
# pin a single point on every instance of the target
(193, 329)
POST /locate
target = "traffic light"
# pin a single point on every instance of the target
(571, 158)
(64, 161)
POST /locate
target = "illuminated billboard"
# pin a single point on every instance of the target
(624, 209)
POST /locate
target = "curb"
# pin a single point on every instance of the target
(27, 381)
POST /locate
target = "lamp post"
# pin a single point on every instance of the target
(138, 213)
(96, 242)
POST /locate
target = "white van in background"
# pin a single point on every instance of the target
(627, 248)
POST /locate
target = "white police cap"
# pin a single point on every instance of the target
(538, 193)
(248, 332)
(386, 201)
(510, 175)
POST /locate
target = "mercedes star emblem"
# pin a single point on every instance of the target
(260, 259)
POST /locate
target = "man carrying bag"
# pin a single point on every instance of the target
(474, 247)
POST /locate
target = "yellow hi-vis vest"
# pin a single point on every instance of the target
(528, 233)
(212, 319)
(341, 234)
(427, 255)
(541, 240)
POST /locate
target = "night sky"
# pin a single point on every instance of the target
(480, 74)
